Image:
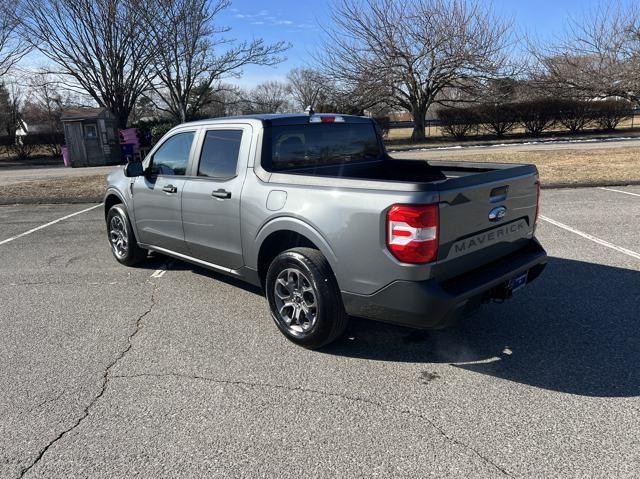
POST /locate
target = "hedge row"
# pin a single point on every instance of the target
(534, 116)
(35, 139)
(24, 149)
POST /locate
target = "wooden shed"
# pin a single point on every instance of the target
(92, 137)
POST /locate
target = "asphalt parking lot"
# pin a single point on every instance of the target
(171, 371)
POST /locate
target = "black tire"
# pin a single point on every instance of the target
(131, 254)
(329, 318)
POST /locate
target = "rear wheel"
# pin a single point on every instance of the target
(304, 298)
(121, 237)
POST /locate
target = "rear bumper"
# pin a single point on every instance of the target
(432, 304)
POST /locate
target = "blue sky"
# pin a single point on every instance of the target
(297, 22)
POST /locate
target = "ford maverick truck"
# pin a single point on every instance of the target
(311, 208)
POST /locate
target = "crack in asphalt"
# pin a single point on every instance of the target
(346, 397)
(106, 376)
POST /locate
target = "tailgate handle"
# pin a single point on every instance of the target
(499, 194)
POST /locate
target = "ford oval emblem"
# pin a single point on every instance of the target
(497, 214)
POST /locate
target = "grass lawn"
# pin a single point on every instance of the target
(87, 189)
(558, 167)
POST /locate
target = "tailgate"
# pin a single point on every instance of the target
(486, 216)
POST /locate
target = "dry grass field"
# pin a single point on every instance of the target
(616, 164)
(86, 189)
(565, 164)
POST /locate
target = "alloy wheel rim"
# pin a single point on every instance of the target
(296, 302)
(118, 236)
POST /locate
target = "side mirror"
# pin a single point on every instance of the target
(133, 169)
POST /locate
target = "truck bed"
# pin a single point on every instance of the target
(466, 191)
(404, 175)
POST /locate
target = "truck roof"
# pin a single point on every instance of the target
(275, 119)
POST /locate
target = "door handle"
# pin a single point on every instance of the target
(222, 194)
(170, 189)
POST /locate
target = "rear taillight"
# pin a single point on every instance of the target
(537, 202)
(412, 233)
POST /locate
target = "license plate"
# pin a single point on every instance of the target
(517, 283)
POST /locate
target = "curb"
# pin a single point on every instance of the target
(557, 186)
(50, 201)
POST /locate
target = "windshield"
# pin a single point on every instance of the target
(318, 144)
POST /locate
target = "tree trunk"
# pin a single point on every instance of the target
(419, 124)
(122, 114)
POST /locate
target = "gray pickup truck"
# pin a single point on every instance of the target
(312, 209)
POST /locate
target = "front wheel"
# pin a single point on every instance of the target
(304, 298)
(121, 238)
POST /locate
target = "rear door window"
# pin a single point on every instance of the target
(219, 157)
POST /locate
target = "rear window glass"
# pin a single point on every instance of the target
(318, 144)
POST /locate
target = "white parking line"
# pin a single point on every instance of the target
(8, 240)
(159, 273)
(620, 249)
(619, 191)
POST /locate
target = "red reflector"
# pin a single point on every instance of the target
(328, 119)
(401, 233)
(412, 233)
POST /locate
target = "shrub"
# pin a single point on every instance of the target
(26, 145)
(574, 115)
(51, 141)
(499, 119)
(22, 150)
(609, 113)
(536, 116)
(158, 131)
(55, 138)
(458, 122)
(150, 131)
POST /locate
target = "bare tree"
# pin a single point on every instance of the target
(408, 52)
(269, 97)
(225, 100)
(598, 56)
(45, 101)
(11, 102)
(12, 50)
(44, 105)
(194, 54)
(308, 87)
(5, 111)
(102, 46)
